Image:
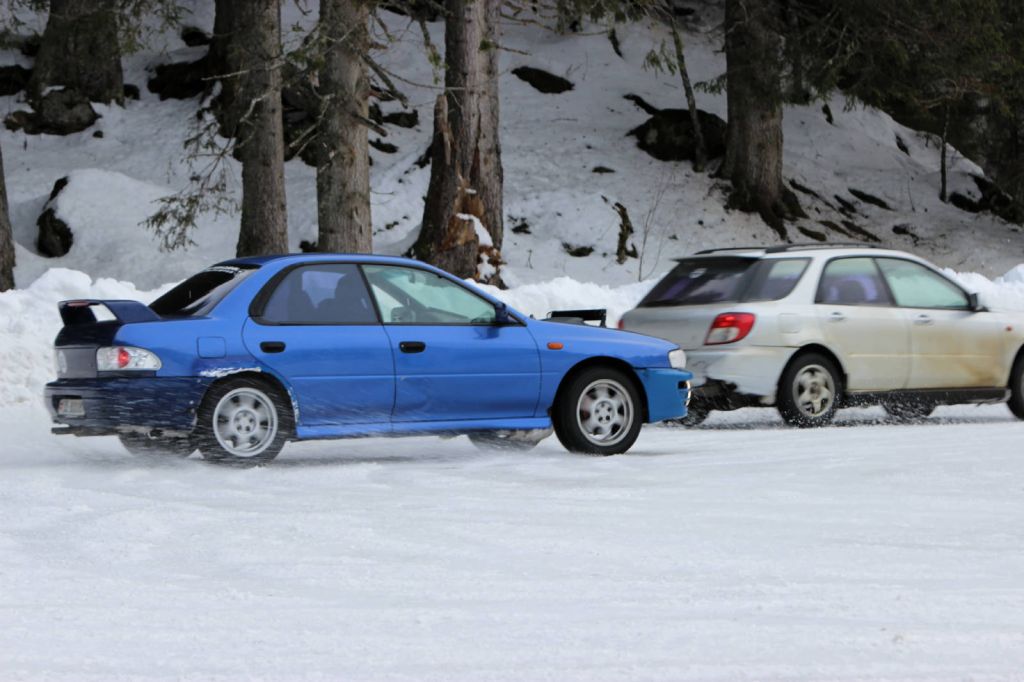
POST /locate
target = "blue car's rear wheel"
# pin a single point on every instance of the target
(598, 412)
(243, 421)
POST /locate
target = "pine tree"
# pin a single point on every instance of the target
(255, 54)
(80, 51)
(753, 48)
(343, 161)
(6, 236)
(466, 174)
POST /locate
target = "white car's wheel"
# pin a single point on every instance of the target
(809, 391)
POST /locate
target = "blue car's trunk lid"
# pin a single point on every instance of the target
(84, 332)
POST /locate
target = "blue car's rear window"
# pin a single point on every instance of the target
(198, 294)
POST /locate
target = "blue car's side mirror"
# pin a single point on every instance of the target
(501, 314)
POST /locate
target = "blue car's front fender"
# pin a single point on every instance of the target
(668, 392)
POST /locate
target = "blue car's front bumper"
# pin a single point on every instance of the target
(668, 393)
(110, 404)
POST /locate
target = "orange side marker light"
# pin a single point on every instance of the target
(556, 345)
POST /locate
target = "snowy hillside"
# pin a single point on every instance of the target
(552, 144)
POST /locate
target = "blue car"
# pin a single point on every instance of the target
(254, 352)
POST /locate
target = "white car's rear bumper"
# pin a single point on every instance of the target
(752, 370)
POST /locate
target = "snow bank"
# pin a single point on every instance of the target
(29, 320)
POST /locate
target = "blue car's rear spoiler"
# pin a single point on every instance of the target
(80, 311)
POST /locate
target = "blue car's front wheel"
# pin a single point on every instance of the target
(598, 413)
(243, 421)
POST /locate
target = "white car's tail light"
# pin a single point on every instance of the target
(125, 359)
(729, 328)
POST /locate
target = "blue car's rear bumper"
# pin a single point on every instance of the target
(667, 393)
(111, 403)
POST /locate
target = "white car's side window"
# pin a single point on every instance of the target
(915, 286)
(852, 281)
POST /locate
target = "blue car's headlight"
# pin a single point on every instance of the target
(677, 358)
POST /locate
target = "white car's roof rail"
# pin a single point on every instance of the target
(783, 248)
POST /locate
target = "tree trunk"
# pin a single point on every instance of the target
(466, 173)
(753, 158)
(343, 160)
(79, 50)
(264, 226)
(219, 60)
(6, 236)
(700, 156)
(944, 163)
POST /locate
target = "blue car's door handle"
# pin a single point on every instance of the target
(272, 346)
(412, 346)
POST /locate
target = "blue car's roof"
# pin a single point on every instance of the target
(288, 258)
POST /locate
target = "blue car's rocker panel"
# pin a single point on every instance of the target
(252, 352)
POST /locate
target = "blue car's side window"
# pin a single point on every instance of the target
(330, 293)
(414, 296)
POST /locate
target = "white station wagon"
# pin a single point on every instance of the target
(812, 328)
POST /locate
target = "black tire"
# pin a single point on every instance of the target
(1016, 402)
(507, 441)
(695, 416)
(908, 410)
(141, 445)
(809, 391)
(620, 412)
(258, 412)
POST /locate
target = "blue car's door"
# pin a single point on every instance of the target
(318, 328)
(453, 361)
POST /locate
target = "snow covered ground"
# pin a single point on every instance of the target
(738, 551)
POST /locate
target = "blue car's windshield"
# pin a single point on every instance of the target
(199, 293)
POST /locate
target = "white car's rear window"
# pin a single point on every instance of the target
(700, 281)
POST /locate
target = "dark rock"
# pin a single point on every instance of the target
(522, 227)
(668, 134)
(827, 110)
(998, 202)
(307, 246)
(382, 146)
(601, 169)
(846, 206)
(424, 159)
(403, 119)
(427, 10)
(965, 203)
(55, 237)
(375, 114)
(813, 234)
(19, 120)
(905, 231)
(902, 145)
(98, 134)
(577, 251)
(131, 91)
(61, 112)
(13, 79)
(545, 82)
(869, 199)
(613, 38)
(194, 36)
(30, 45)
(180, 80)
